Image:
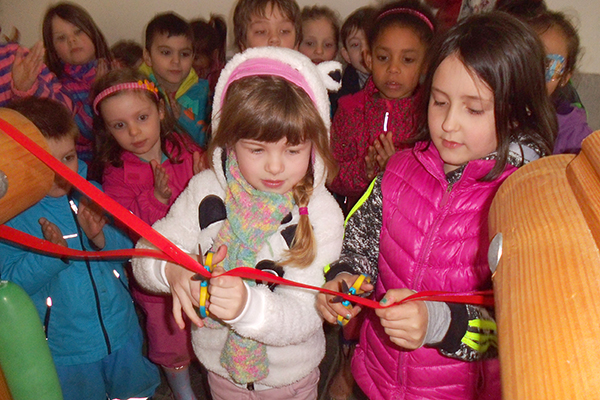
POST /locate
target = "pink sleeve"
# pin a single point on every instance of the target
(139, 199)
(349, 151)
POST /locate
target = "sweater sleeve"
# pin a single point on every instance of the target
(140, 200)
(349, 151)
(46, 84)
(360, 249)
(288, 315)
(181, 225)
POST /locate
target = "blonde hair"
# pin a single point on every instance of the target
(268, 109)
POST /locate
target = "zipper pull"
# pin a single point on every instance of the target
(385, 121)
(47, 316)
(73, 206)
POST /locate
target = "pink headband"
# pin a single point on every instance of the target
(145, 85)
(268, 66)
(410, 11)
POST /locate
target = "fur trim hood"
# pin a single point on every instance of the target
(290, 65)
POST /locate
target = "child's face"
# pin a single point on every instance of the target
(318, 40)
(63, 150)
(396, 62)
(555, 44)
(134, 121)
(73, 46)
(354, 50)
(273, 30)
(171, 60)
(461, 115)
(272, 167)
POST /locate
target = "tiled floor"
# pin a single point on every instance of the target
(328, 369)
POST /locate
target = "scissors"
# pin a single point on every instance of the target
(204, 286)
(353, 290)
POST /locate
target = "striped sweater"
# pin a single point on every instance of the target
(46, 85)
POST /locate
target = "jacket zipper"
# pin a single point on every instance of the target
(430, 236)
(89, 269)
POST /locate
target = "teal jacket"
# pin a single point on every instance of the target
(192, 97)
(92, 313)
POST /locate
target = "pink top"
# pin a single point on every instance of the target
(132, 185)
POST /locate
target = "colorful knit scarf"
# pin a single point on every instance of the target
(252, 217)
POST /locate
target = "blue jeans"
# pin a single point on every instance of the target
(123, 374)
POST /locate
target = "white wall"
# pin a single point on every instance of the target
(126, 19)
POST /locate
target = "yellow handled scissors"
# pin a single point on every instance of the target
(204, 286)
(354, 290)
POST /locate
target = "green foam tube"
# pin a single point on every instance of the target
(24, 354)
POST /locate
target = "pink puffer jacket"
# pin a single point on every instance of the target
(433, 238)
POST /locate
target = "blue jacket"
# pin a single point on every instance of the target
(92, 313)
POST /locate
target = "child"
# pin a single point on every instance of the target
(320, 34)
(423, 223)
(168, 58)
(210, 48)
(76, 52)
(372, 124)
(265, 198)
(259, 23)
(89, 319)
(354, 45)
(561, 42)
(23, 73)
(127, 54)
(147, 164)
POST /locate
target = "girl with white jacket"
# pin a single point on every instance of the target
(263, 205)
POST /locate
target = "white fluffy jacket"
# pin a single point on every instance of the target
(285, 319)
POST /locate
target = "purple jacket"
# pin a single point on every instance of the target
(572, 129)
(439, 245)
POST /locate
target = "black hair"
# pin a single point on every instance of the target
(421, 20)
(210, 36)
(169, 24)
(359, 19)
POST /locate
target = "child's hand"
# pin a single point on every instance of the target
(26, 68)
(406, 324)
(200, 162)
(330, 311)
(185, 291)
(162, 191)
(384, 146)
(52, 233)
(371, 163)
(92, 220)
(228, 295)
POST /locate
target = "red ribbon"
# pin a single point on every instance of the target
(168, 251)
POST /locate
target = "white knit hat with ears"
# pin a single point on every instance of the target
(287, 64)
